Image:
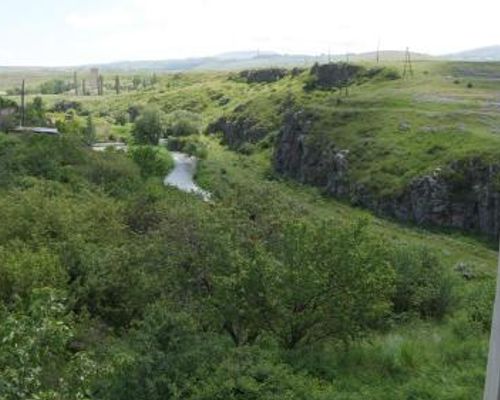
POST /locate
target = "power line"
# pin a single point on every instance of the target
(408, 66)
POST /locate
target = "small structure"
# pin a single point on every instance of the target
(36, 130)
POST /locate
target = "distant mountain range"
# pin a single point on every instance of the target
(490, 53)
(255, 59)
(249, 59)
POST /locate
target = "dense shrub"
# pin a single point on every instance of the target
(55, 86)
(183, 123)
(423, 285)
(8, 114)
(113, 172)
(151, 161)
(64, 106)
(192, 145)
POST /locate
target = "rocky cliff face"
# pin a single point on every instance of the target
(464, 194)
(238, 131)
(263, 75)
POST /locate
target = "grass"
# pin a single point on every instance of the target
(395, 131)
(413, 360)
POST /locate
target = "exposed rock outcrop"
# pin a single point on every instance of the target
(264, 75)
(238, 130)
(464, 194)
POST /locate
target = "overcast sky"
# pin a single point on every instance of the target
(70, 32)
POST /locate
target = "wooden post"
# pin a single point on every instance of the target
(492, 384)
(22, 105)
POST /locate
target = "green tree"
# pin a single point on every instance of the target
(136, 81)
(150, 126)
(89, 133)
(35, 112)
(183, 123)
(55, 86)
(34, 357)
(328, 282)
(151, 161)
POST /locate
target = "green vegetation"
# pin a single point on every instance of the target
(55, 86)
(150, 126)
(151, 160)
(113, 286)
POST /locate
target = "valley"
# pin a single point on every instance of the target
(347, 250)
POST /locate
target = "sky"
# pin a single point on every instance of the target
(76, 32)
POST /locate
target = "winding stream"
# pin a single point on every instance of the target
(182, 175)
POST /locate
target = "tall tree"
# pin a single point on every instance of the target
(100, 86)
(117, 84)
(89, 131)
(150, 126)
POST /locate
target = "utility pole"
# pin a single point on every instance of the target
(378, 51)
(84, 87)
(492, 384)
(408, 68)
(22, 105)
(75, 82)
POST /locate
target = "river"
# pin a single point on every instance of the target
(182, 176)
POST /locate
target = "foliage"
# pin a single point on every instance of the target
(55, 86)
(183, 123)
(89, 133)
(150, 126)
(33, 356)
(422, 285)
(113, 286)
(151, 161)
(191, 145)
(8, 114)
(35, 113)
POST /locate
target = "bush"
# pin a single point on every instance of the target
(55, 86)
(151, 161)
(8, 114)
(190, 145)
(423, 286)
(183, 123)
(122, 118)
(66, 105)
(113, 172)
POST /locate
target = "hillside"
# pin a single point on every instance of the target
(296, 281)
